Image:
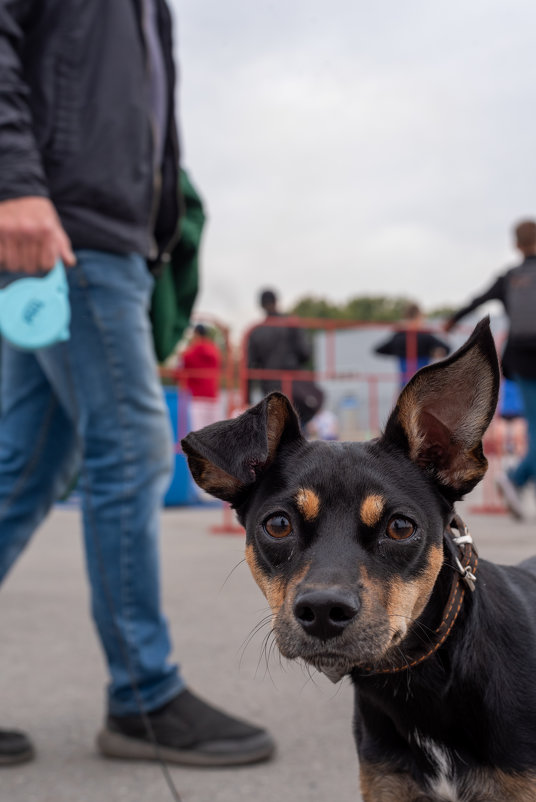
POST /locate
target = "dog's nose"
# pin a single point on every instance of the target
(325, 613)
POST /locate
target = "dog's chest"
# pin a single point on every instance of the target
(440, 774)
(441, 779)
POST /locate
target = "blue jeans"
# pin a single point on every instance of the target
(525, 471)
(95, 404)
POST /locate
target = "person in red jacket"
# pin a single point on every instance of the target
(203, 359)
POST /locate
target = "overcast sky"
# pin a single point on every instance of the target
(348, 148)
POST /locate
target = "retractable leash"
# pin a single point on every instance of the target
(35, 313)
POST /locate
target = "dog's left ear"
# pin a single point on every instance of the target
(443, 412)
(226, 458)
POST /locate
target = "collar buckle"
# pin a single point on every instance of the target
(464, 539)
(466, 574)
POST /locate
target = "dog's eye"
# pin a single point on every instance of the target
(400, 528)
(278, 525)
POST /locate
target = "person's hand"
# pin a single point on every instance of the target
(448, 325)
(31, 236)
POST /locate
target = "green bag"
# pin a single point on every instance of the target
(177, 281)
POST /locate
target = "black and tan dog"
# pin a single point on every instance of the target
(369, 572)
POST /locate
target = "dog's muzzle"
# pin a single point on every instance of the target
(324, 614)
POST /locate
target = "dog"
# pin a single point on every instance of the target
(370, 573)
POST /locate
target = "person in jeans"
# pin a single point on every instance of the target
(516, 289)
(89, 174)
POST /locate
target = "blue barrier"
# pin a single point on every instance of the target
(182, 489)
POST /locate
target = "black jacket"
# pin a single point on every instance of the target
(75, 124)
(516, 359)
(426, 342)
(273, 347)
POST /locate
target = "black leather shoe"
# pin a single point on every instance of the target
(186, 730)
(15, 747)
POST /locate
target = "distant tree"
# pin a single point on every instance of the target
(376, 309)
(443, 311)
(316, 307)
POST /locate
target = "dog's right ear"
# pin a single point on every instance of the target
(226, 458)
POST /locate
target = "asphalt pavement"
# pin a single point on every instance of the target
(52, 674)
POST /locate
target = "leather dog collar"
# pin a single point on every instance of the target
(465, 559)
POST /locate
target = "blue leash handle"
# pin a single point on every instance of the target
(35, 312)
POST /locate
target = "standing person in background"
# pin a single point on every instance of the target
(510, 427)
(203, 358)
(279, 347)
(516, 289)
(427, 347)
(89, 174)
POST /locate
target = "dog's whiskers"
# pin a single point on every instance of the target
(231, 572)
(310, 678)
(422, 631)
(266, 649)
(256, 629)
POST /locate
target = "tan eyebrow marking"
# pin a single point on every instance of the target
(308, 503)
(372, 509)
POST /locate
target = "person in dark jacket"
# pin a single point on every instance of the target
(516, 289)
(275, 347)
(88, 174)
(413, 347)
